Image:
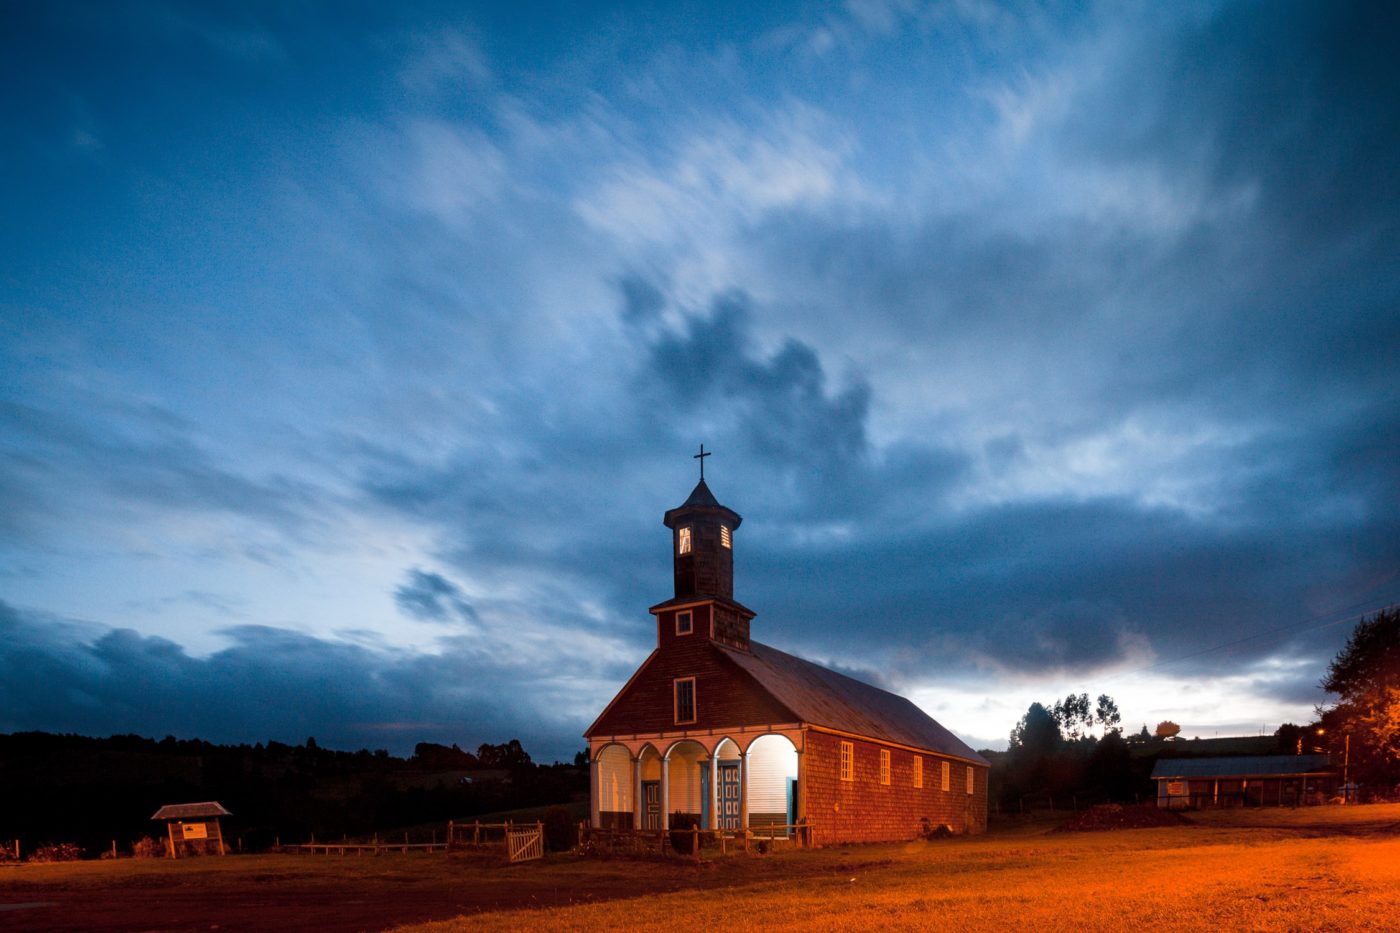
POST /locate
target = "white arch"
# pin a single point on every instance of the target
(616, 792)
(684, 759)
(772, 771)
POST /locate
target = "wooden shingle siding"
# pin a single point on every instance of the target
(864, 810)
(725, 696)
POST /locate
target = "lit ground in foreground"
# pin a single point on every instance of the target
(1313, 869)
(1326, 868)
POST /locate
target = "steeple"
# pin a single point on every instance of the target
(702, 544)
(702, 553)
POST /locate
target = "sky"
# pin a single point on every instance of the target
(350, 354)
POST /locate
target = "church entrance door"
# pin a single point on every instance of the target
(651, 805)
(728, 795)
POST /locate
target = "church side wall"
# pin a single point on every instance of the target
(865, 810)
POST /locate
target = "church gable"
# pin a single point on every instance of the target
(722, 695)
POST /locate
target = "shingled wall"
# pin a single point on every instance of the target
(864, 810)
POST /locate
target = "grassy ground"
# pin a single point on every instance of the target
(1318, 869)
(1313, 869)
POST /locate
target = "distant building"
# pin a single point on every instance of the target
(719, 728)
(1244, 781)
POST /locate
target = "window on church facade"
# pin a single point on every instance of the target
(947, 777)
(683, 540)
(970, 785)
(724, 538)
(685, 700)
(918, 770)
(685, 623)
(884, 766)
(848, 761)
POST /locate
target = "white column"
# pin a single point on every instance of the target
(638, 807)
(597, 820)
(665, 793)
(714, 790)
(744, 790)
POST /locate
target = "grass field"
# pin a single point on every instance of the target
(1313, 869)
(1318, 869)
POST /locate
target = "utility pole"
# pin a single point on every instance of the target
(1346, 767)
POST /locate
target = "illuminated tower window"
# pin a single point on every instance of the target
(683, 540)
(724, 536)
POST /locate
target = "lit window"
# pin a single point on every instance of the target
(884, 766)
(684, 623)
(724, 536)
(918, 771)
(685, 700)
(683, 540)
(969, 779)
(947, 778)
(848, 761)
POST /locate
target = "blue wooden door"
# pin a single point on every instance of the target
(728, 795)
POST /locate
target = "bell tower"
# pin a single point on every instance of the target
(702, 555)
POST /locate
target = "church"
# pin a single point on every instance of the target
(717, 728)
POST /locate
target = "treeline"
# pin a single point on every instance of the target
(70, 788)
(1074, 752)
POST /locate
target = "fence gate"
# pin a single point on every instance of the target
(525, 844)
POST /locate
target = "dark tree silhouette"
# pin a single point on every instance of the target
(1365, 674)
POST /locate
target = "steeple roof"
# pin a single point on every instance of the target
(701, 496)
(703, 502)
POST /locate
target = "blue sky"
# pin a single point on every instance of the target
(350, 355)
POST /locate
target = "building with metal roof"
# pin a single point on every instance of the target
(720, 731)
(1244, 780)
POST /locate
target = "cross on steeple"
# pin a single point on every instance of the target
(701, 457)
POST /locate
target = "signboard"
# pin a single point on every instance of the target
(1176, 788)
(195, 830)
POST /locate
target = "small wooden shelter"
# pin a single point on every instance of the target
(193, 826)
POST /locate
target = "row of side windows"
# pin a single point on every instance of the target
(848, 769)
(683, 538)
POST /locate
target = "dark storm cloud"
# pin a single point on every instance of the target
(137, 454)
(786, 412)
(270, 683)
(433, 597)
(1302, 101)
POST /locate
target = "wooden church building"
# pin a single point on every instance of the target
(721, 729)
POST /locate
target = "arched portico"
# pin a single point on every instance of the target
(728, 781)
